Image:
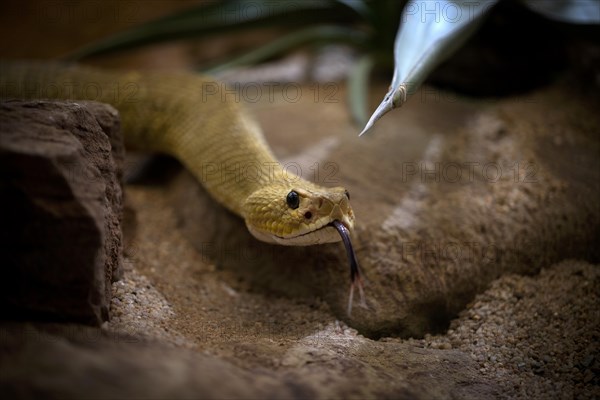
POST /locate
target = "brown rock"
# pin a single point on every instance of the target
(60, 199)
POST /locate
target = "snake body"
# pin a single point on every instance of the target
(190, 117)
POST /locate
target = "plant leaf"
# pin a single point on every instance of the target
(424, 40)
(358, 89)
(220, 17)
(324, 33)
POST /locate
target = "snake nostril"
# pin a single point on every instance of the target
(308, 215)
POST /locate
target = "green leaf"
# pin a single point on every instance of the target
(358, 89)
(324, 33)
(221, 17)
(360, 6)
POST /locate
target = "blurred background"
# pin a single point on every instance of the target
(516, 49)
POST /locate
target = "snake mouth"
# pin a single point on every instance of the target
(355, 276)
(323, 231)
(345, 235)
(324, 234)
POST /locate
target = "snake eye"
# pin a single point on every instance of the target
(347, 193)
(293, 200)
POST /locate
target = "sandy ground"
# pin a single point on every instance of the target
(522, 336)
(534, 336)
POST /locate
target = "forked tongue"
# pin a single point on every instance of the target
(355, 278)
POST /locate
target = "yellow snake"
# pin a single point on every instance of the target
(189, 117)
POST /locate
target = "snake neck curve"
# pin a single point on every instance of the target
(195, 119)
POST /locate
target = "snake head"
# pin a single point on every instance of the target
(297, 213)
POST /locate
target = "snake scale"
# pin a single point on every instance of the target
(186, 116)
